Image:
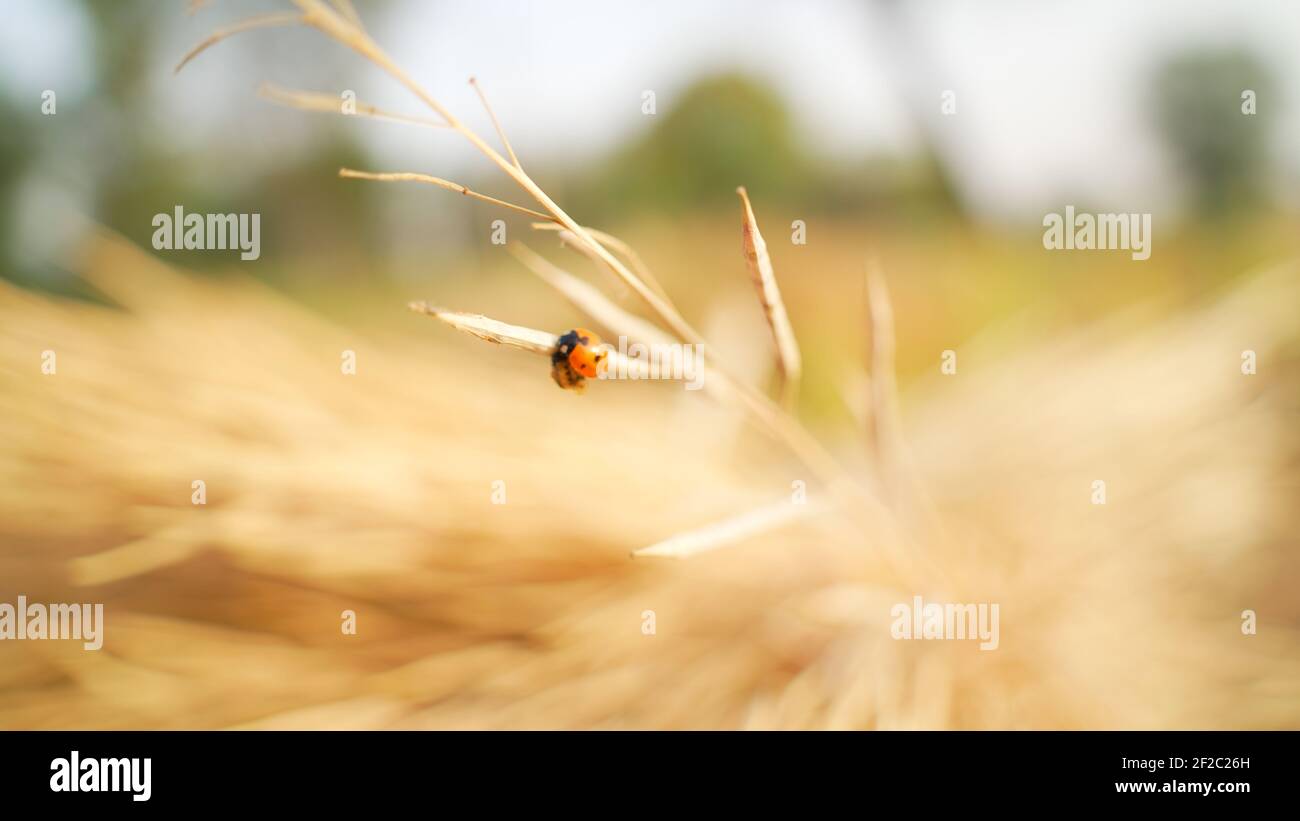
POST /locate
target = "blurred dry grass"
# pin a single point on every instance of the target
(372, 493)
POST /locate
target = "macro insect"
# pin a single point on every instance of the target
(578, 356)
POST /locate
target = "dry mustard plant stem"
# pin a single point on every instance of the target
(759, 263)
(407, 176)
(264, 21)
(331, 104)
(514, 160)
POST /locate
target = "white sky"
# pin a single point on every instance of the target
(1048, 92)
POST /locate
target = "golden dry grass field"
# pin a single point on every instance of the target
(373, 493)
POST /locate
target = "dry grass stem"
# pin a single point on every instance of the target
(590, 300)
(886, 433)
(505, 141)
(263, 21)
(491, 330)
(516, 336)
(729, 531)
(408, 176)
(609, 241)
(349, 11)
(331, 104)
(769, 295)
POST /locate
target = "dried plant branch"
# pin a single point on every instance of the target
(729, 531)
(330, 104)
(263, 21)
(407, 176)
(769, 295)
(496, 123)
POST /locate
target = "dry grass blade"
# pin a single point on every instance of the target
(505, 141)
(729, 531)
(886, 433)
(349, 11)
(407, 176)
(589, 300)
(331, 104)
(760, 269)
(609, 241)
(491, 330)
(517, 336)
(264, 21)
(900, 484)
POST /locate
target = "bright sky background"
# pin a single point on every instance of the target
(1049, 93)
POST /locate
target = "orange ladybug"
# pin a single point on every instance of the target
(578, 356)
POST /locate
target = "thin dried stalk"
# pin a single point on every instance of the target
(886, 431)
(609, 241)
(407, 176)
(264, 21)
(589, 300)
(330, 104)
(759, 263)
(495, 122)
(729, 531)
(349, 11)
(608, 315)
(491, 330)
(517, 336)
(901, 486)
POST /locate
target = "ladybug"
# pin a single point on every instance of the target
(578, 356)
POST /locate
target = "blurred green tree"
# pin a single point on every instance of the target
(17, 145)
(1198, 108)
(721, 132)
